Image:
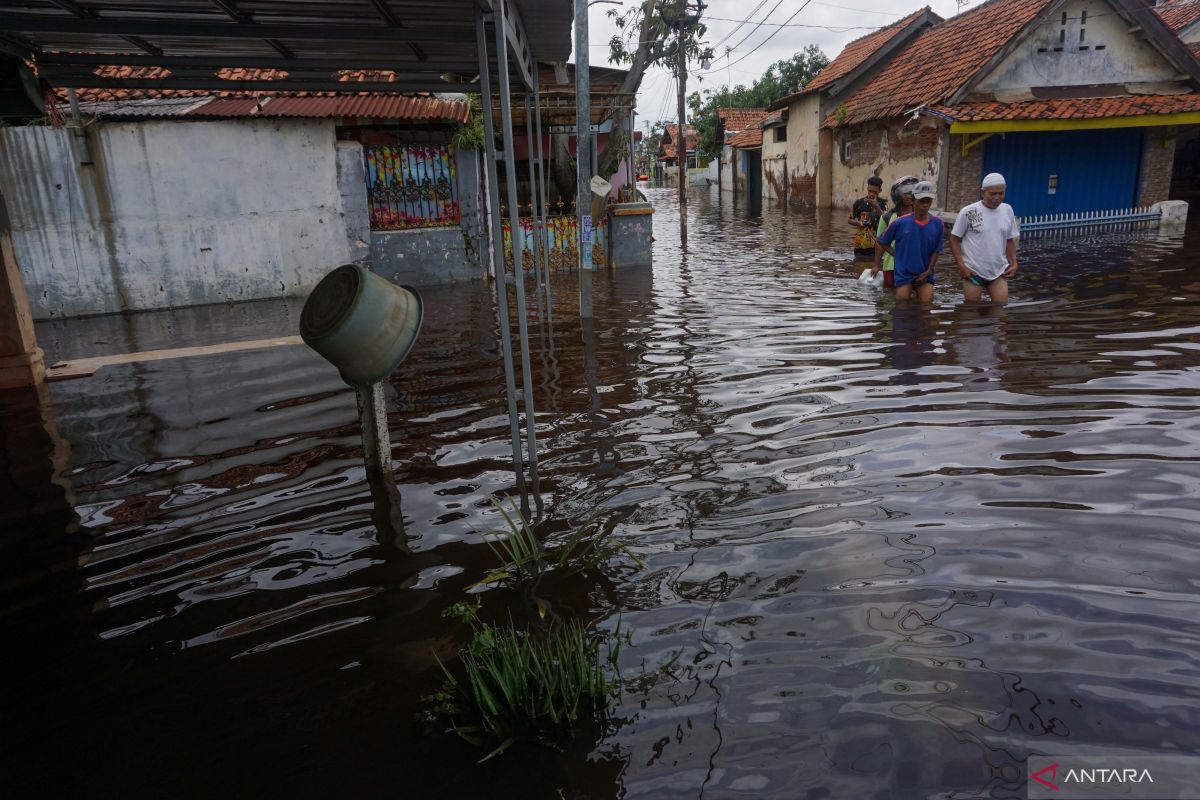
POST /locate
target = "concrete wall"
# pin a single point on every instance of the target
(886, 148)
(964, 173)
(144, 215)
(803, 150)
(1036, 62)
(774, 166)
(727, 168)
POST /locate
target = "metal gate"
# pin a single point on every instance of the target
(1059, 172)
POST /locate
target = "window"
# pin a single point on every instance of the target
(846, 151)
(410, 186)
(781, 133)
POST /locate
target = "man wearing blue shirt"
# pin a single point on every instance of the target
(917, 240)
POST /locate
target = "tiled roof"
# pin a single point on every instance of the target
(1179, 14)
(750, 138)
(739, 119)
(667, 149)
(771, 119)
(1088, 108)
(1195, 48)
(860, 50)
(374, 105)
(940, 60)
(854, 55)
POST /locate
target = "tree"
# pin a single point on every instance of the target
(784, 77)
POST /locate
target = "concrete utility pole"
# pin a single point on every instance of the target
(583, 157)
(681, 145)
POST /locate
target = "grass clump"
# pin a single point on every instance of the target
(524, 560)
(523, 685)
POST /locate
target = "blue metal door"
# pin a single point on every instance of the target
(1059, 172)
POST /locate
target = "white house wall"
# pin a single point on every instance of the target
(1036, 62)
(774, 165)
(727, 160)
(146, 215)
(804, 122)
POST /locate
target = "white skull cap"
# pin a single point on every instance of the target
(993, 179)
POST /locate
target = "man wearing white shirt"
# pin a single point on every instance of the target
(984, 243)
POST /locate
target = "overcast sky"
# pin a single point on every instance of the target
(825, 23)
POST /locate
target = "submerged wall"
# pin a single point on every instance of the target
(162, 214)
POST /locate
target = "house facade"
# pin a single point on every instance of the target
(1042, 91)
(802, 156)
(1076, 102)
(730, 123)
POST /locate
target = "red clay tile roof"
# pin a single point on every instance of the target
(739, 119)
(940, 60)
(860, 50)
(1089, 108)
(749, 138)
(853, 55)
(1195, 48)
(1179, 14)
(666, 148)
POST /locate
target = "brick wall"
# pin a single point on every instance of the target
(964, 174)
(1158, 161)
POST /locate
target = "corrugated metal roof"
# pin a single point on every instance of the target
(381, 106)
(145, 107)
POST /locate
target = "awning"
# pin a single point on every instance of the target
(1124, 111)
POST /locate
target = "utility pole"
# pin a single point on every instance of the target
(583, 156)
(681, 145)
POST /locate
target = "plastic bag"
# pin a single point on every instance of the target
(867, 280)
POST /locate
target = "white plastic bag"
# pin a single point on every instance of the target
(867, 280)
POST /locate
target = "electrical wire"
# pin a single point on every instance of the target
(740, 22)
(764, 41)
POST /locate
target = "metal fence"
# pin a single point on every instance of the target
(561, 248)
(411, 186)
(1112, 219)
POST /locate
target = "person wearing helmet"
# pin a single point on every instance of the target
(902, 203)
(917, 240)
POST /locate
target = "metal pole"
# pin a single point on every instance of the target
(514, 215)
(535, 208)
(545, 195)
(496, 223)
(583, 156)
(681, 145)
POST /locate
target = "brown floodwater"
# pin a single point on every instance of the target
(889, 553)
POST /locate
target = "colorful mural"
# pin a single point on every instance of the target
(411, 186)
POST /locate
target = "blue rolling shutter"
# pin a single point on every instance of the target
(1059, 172)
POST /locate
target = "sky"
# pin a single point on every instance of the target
(826, 23)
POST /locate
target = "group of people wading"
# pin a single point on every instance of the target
(903, 244)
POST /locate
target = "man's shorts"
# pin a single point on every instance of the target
(905, 280)
(982, 283)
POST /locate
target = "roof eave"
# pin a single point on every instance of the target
(889, 48)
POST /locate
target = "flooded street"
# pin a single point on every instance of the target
(888, 553)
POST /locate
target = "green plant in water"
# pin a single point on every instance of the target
(523, 559)
(518, 685)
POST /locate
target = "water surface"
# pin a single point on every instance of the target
(889, 552)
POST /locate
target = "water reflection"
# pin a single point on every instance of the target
(889, 552)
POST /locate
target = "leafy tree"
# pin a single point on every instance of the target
(784, 77)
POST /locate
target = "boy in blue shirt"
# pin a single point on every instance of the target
(916, 240)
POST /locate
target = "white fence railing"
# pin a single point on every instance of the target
(1108, 219)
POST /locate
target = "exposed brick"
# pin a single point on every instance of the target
(1158, 162)
(963, 174)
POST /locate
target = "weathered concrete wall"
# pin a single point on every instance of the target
(433, 256)
(352, 186)
(803, 149)
(1158, 164)
(886, 148)
(774, 165)
(727, 168)
(147, 215)
(1055, 55)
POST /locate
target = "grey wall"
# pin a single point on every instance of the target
(433, 256)
(163, 214)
